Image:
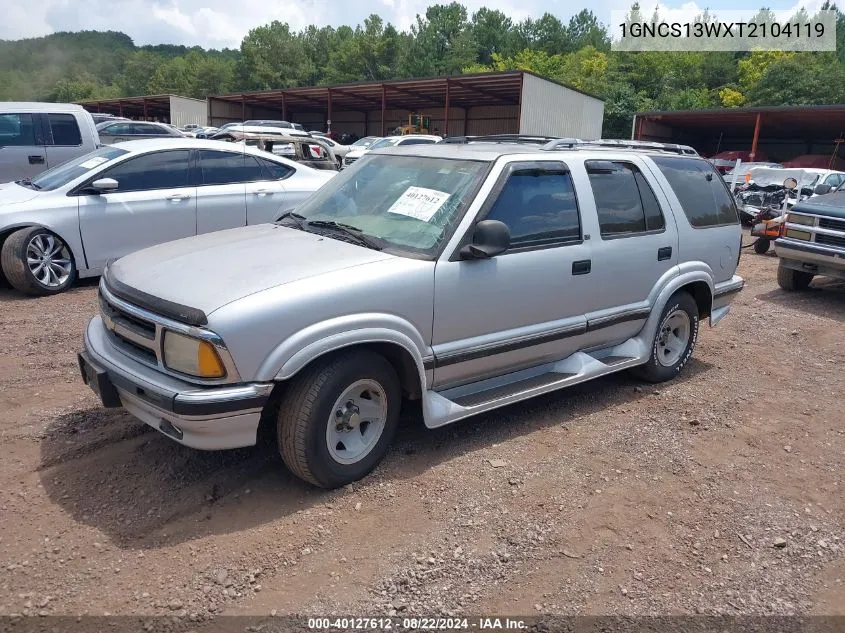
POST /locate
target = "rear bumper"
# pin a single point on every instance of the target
(212, 418)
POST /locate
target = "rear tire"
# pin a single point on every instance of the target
(791, 279)
(37, 262)
(337, 418)
(674, 340)
(761, 246)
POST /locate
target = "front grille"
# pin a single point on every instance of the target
(835, 225)
(147, 329)
(132, 334)
(830, 240)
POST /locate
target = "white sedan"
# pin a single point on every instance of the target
(69, 221)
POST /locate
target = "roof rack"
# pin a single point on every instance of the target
(552, 143)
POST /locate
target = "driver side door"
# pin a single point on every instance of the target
(154, 202)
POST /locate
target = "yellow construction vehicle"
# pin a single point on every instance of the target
(417, 124)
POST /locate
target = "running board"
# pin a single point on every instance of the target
(450, 405)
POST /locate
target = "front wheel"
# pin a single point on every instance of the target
(37, 262)
(337, 418)
(761, 246)
(791, 279)
(674, 340)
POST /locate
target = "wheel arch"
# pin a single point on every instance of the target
(694, 278)
(78, 257)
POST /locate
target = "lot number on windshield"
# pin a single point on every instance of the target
(419, 203)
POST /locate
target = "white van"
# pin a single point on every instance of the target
(37, 136)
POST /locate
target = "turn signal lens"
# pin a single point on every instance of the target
(192, 356)
(798, 235)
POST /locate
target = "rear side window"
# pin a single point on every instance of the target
(625, 202)
(274, 171)
(700, 190)
(16, 130)
(417, 141)
(539, 207)
(64, 129)
(223, 168)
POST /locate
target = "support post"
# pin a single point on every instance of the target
(120, 108)
(284, 108)
(144, 102)
(243, 109)
(755, 139)
(329, 113)
(383, 107)
(446, 112)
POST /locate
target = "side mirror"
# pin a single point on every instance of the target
(491, 238)
(104, 184)
(820, 190)
(790, 183)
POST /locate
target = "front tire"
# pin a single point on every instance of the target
(37, 262)
(674, 340)
(337, 418)
(791, 279)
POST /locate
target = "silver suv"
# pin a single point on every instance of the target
(468, 276)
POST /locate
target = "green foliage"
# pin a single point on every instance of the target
(446, 40)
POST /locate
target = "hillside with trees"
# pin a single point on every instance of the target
(446, 40)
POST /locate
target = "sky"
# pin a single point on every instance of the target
(224, 23)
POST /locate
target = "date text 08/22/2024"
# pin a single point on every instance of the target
(416, 624)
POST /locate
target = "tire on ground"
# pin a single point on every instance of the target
(17, 272)
(761, 246)
(791, 279)
(654, 370)
(306, 409)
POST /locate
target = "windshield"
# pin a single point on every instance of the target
(364, 142)
(408, 202)
(385, 142)
(62, 174)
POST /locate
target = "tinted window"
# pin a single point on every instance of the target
(158, 170)
(416, 141)
(538, 205)
(146, 128)
(700, 190)
(16, 130)
(221, 168)
(65, 130)
(274, 171)
(625, 203)
(124, 129)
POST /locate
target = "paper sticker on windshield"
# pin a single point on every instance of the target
(419, 203)
(93, 162)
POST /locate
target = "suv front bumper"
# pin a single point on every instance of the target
(212, 418)
(811, 257)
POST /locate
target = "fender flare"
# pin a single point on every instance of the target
(77, 257)
(690, 272)
(308, 344)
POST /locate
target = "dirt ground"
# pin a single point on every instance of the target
(718, 493)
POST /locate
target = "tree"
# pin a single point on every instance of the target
(441, 42)
(800, 79)
(273, 57)
(584, 29)
(138, 70)
(492, 31)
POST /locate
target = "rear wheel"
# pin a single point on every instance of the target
(338, 417)
(674, 340)
(791, 279)
(37, 262)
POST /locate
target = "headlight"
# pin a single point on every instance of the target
(192, 356)
(795, 218)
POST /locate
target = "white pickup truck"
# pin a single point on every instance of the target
(37, 136)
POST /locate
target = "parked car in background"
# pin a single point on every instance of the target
(204, 132)
(100, 117)
(310, 151)
(816, 161)
(338, 150)
(37, 136)
(812, 242)
(389, 141)
(462, 278)
(69, 221)
(119, 131)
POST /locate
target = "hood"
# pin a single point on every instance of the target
(357, 153)
(10, 193)
(208, 271)
(830, 204)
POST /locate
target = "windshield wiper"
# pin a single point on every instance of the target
(27, 182)
(291, 214)
(347, 229)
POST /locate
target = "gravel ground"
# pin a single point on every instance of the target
(718, 493)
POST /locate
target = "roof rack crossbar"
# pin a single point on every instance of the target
(552, 143)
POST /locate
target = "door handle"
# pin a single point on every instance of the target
(177, 196)
(36, 160)
(664, 253)
(582, 267)
(261, 192)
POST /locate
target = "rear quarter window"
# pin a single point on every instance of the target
(700, 189)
